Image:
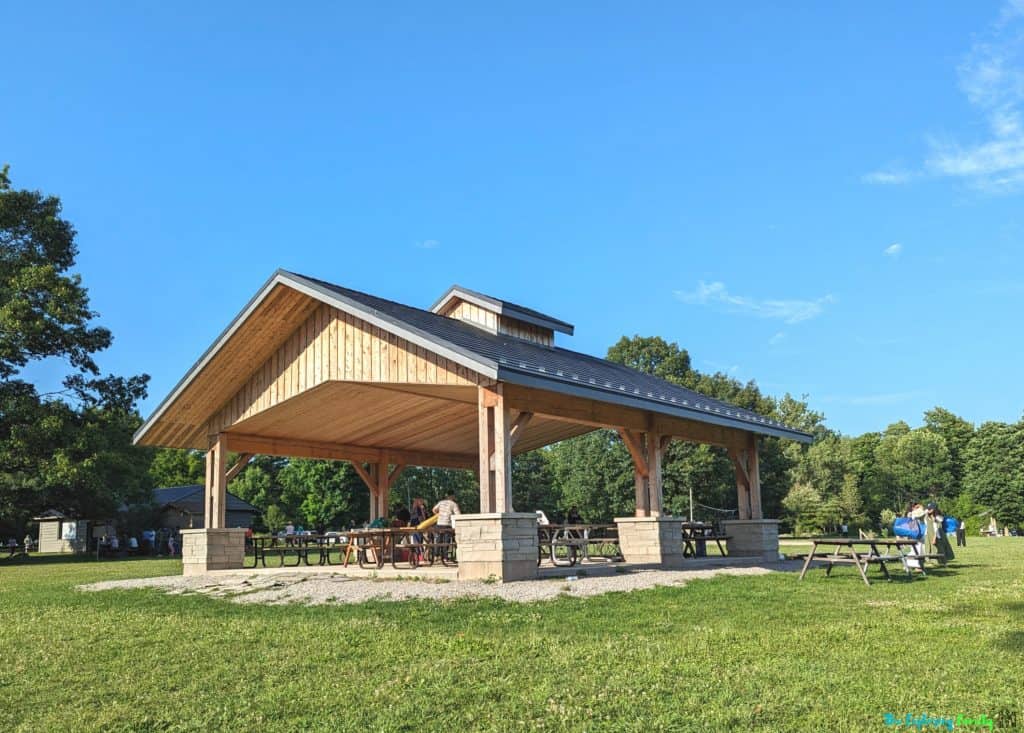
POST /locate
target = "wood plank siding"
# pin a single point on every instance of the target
(333, 346)
(496, 323)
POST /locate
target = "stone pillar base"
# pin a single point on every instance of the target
(753, 537)
(651, 540)
(501, 545)
(203, 550)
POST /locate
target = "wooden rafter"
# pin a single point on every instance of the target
(370, 481)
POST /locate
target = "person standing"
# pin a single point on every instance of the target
(445, 510)
(961, 534)
(937, 541)
(418, 515)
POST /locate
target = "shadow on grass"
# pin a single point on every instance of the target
(69, 559)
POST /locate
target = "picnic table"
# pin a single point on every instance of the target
(14, 551)
(694, 532)
(578, 541)
(300, 546)
(371, 548)
(862, 553)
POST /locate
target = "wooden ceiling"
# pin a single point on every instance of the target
(422, 418)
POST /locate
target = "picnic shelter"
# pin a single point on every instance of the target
(314, 370)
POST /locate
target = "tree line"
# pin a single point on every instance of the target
(71, 449)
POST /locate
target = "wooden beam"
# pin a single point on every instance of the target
(241, 443)
(634, 445)
(584, 411)
(370, 481)
(395, 473)
(518, 427)
(240, 464)
(665, 441)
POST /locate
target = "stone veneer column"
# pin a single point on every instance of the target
(203, 550)
(753, 537)
(651, 540)
(502, 545)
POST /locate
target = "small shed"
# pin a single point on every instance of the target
(61, 533)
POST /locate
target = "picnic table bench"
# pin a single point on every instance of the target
(592, 542)
(694, 532)
(300, 546)
(862, 553)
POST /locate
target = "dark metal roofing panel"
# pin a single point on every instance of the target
(555, 366)
(187, 497)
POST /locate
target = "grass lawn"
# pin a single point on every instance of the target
(741, 653)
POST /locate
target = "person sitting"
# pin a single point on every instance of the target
(402, 516)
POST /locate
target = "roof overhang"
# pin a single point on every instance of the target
(317, 292)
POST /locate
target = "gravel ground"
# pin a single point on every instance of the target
(320, 588)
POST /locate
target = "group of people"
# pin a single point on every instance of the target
(934, 536)
(416, 514)
(153, 542)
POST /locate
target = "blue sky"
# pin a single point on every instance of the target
(823, 197)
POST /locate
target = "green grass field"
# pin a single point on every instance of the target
(741, 653)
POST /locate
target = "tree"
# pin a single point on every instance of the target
(177, 467)
(916, 464)
(652, 355)
(69, 450)
(274, 518)
(533, 483)
(994, 475)
(804, 505)
(957, 433)
(320, 492)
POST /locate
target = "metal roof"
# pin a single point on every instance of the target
(504, 307)
(190, 498)
(549, 367)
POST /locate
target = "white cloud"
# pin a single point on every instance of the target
(428, 244)
(788, 310)
(887, 177)
(777, 339)
(991, 76)
(893, 250)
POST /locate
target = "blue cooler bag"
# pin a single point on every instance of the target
(951, 525)
(907, 527)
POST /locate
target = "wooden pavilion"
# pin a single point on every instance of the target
(310, 369)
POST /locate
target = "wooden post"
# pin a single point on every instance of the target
(635, 444)
(739, 460)
(502, 457)
(654, 454)
(383, 489)
(495, 447)
(216, 483)
(754, 477)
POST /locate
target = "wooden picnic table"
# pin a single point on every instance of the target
(862, 553)
(694, 532)
(577, 539)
